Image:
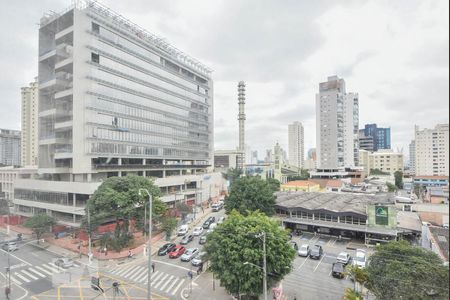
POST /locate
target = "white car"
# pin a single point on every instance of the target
(304, 251)
(344, 258)
(197, 231)
(189, 254)
(183, 230)
(360, 258)
(64, 262)
(212, 226)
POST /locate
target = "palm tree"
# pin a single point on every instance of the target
(351, 294)
(359, 276)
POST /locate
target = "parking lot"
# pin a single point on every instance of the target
(311, 279)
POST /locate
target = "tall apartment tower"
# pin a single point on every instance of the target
(296, 144)
(431, 150)
(412, 157)
(337, 120)
(9, 147)
(241, 119)
(29, 143)
(114, 100)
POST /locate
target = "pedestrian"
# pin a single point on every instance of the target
(153, 267)
(105, 250)
(203, 209)
(130, 255)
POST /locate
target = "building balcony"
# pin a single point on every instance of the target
(100, 167)
(63, 155)
(64, 32)
(54, 140)
(63, 126)
(63, 94)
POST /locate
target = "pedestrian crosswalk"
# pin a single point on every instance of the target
(161, 281)
(36, 272)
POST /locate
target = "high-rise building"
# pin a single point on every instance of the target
(9, 147)
(115, 100)
(296, 144)
(412, 157)
(29, 143)
(372, 138)
(241, 119)
(337, 119)
(431, 151)
(269, 157)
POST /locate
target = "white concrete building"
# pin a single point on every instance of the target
(114, 100)
(431, 151)
(9, 174)
(9, 147)
(412, 157)
(227, 159)
(296, 144)
(337, 122)
(384, 160)
(29, 139)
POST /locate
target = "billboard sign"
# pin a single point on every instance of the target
(381, 215)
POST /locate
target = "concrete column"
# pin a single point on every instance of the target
(314, 216)
(339, 219)
(74, 200)
(89, 177)
(164, 174)
(120, 174)
(119, 161)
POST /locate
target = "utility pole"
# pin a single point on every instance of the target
(89, 235)
(264, 265)
(149, 247)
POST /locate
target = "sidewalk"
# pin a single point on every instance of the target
(204, 287)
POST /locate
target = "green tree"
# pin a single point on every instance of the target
(237, 241)
(398, 270)
(359, 276)
(398, 175)
(168, 225)
(251, 194)
(351, 294)
(40, 224)
(117, 199)
(391, 187)
(274, 184)
(377, 172)
(304, 175)
(184, 209)
(233, 174)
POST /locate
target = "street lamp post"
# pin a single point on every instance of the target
(149, 246)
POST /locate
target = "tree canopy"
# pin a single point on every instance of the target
(274, 184)
(233, 174)
(118, 198)
(398, 176)
(40, 224)
(304, 175)
(400, 271)
(251, 194)
(236, 241)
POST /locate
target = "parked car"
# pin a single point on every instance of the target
(338, 270)
(202, 240)
(166, 249)
(360, 258)
(217, 206)
(10, 246)
(208, 222)
(189, 254)
(186, 239)
(304, 250)
(198, 259)
(197, 231)
(183, 230)
(212, 226)
(344, 258)
(294, 245)
(316, 252)
(221, 220)
(177, 251)
(64, 262)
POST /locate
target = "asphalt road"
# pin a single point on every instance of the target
(33, 270)
(170, 278)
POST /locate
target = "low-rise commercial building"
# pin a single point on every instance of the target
(371, 218)
(301, 185)
(227, 159)
(435, 239)
(431, 180)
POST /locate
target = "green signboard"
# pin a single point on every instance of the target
(381, 215)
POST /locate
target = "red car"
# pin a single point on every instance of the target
(177, 251)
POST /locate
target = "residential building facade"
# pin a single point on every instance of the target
(386, 161)
(296, 144)
(337, 121)
(30, 111)
(9, 147)
(115, 100)
(412, 157)
(431, 151)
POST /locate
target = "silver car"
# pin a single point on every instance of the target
(344, 258)
(189, 254)
(199, 259)
(10, 246)
(304, 250)
(64, 262)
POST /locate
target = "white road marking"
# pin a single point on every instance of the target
(12, 255)
(157, 277)
(43, 270)
(51, 268)
(138, 274)
(178, 286)
(15, 280)
(131, 271)
(303, 263)
(21, 277)
(173, 265)
(161, 281)
(123, 271)
(167, 282)
(36, 272)
(323, 256)
(171, 286)
(29, 274)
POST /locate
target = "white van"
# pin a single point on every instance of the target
(217, 206)
(183, 230)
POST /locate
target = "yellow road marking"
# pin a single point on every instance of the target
(59, 293)
(81, 290)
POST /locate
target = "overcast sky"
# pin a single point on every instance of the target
(395, 54)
